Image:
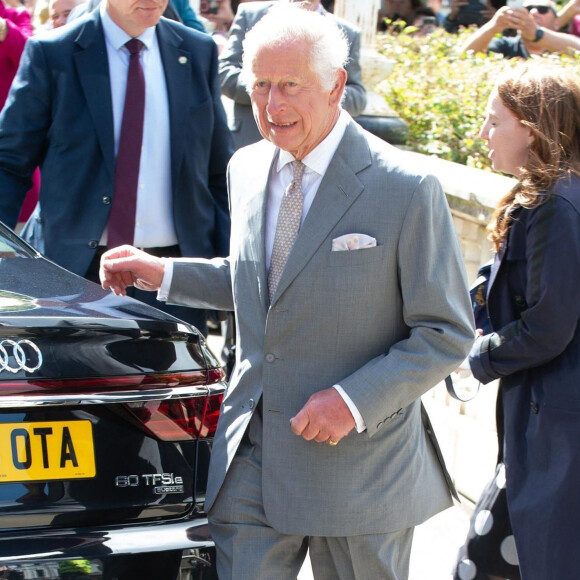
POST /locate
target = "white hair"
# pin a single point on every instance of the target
(287, 24)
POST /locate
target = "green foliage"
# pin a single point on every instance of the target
(442, 94)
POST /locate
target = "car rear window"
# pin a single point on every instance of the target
(10, 248)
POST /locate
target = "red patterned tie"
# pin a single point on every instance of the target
(121, 227)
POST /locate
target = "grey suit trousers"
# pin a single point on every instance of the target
(249, 548)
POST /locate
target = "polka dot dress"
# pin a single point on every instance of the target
(490, 547)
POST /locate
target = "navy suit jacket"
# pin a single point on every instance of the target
(59, 116)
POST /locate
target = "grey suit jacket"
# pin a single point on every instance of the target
(240, 117)
(386, 323)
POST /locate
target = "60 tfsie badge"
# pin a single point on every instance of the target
(161, 483)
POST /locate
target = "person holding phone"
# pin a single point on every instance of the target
(535, 22)
(425, 21)
(470, 12)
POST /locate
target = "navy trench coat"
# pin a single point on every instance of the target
(534, 308)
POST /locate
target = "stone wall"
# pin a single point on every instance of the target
(475, 247)
(472, 195)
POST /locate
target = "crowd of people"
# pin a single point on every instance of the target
(336, 255)
(519, 28)
(535, 31)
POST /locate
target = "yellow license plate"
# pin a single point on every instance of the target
(46, 450)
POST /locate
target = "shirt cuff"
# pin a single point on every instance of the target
(163, 291)
(359, 421)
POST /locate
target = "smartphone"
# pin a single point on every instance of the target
(208, 6)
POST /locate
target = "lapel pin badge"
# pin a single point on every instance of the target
(182, 60)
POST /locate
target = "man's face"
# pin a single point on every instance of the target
(546, 20)
(59, 11)
(134, 16)
(291, 108)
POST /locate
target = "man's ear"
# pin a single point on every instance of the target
(338, 89)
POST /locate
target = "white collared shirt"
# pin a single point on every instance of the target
(154, 225)
(316, 162)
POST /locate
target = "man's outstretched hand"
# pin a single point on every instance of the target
(127, 266)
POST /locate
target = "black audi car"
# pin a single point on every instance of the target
(107, 412)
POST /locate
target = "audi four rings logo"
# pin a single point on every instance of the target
(27, 356)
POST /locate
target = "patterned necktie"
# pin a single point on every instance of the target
(287, 227)
(121, 227)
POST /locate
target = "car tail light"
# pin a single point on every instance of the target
(179, 419)
(180, 416)
(109, 384)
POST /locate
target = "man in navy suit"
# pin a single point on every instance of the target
(64, 115)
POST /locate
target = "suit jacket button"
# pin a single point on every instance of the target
(535, 409)
(380, 424)
(93, 244)
(106, 200)
(251, 403)
(270, 357)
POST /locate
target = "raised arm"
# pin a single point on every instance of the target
(480, 39)
(568, 12)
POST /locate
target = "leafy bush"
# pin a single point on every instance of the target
(442, 94)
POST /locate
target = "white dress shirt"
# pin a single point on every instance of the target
(154, 225)
(281, 174)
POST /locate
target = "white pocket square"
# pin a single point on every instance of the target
(353, 242)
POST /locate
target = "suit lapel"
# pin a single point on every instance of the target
(255, 214)
(177, 66)
(339, 189)
(92, 67)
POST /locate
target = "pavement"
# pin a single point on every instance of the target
(436, 542)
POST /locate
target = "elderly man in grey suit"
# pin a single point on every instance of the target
(322, 442)
(240, 118)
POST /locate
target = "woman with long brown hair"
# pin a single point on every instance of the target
(532, 130)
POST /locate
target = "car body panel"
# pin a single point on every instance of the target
(106, 414)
